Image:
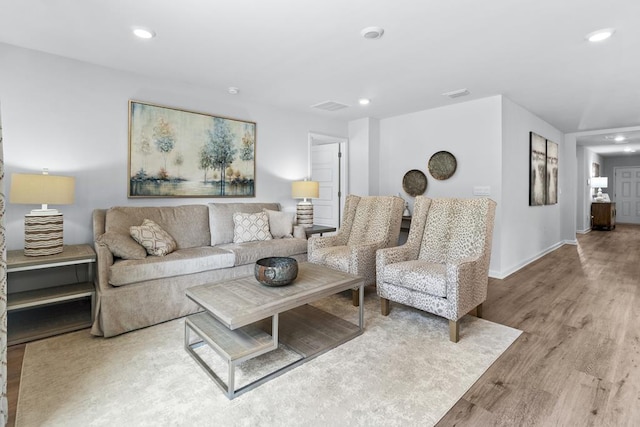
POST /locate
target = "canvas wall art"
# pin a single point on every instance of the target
(538, 165)
(551, 196)
(180, 153)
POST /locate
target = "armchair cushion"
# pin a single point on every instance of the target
(422, 276)
(336, 257)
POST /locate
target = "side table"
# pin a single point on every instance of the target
(318, 229)
(50, 310)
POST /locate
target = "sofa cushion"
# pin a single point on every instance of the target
(249, 227)
(178, 263)
(122, 246)
(250, 252)
(154, 239)
(418, 275)
(221, 218)
(187, 224)
(280, 223)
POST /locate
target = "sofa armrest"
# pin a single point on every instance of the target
(299, 232)
(104, 260)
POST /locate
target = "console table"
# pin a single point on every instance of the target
(603, 215)
(49, 310)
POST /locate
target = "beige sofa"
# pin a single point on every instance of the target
(146, 290)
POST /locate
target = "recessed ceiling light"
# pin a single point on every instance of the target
(629, 150)
(144, 33)
(364, 101)
(619, 138)
(233, 90)
(600, 35)
(372, 33)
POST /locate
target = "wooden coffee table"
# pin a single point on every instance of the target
(233, 322)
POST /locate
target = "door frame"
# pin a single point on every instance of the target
(323, 139)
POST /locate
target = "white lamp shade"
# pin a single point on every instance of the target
(599, 182)
(32, 189)
(305, 190)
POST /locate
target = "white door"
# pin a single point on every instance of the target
(325, 168)
(627, 196)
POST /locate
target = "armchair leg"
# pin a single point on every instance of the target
(454, 331)
(384, 306)
(355, 297)
(479, 311)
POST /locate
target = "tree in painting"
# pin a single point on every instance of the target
(164, 139)
(144, 148)
(246, 150)
(222, 151)
(205, 158)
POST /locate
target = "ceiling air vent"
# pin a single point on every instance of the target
(329, 106)
(457, 93)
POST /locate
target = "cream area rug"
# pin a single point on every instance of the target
(402, 370)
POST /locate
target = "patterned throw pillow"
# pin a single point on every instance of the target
(249, 227)
(154, 239)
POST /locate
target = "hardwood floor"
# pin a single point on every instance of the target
(577, 362)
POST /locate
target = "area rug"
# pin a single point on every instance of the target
(402, 370)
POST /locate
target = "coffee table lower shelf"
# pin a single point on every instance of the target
(305, 330)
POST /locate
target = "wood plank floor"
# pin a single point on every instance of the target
(577, 362)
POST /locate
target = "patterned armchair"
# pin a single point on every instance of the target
(444, 266)
(368, 224)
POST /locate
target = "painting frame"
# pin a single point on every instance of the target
(551, 187)
(181, 153)
(537, 169)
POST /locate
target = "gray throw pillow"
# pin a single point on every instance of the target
(280, 223)
(122, 246)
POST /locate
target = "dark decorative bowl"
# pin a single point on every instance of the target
(276, 271)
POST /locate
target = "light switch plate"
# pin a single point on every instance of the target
(482, 191)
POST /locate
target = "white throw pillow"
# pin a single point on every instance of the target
(154, 239)
(249, 227)
(280, 223)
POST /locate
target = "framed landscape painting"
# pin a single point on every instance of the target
(180, 153)
(551, 196)
(537, 172)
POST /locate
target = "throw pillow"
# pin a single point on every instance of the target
(280, 223)
(249, 227)
(122, 246)
(154, 239)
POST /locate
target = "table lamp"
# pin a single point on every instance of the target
(599, 182)
(42, 227)
(305, 190)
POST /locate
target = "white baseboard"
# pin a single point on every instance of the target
(503, 274)
(583, 231)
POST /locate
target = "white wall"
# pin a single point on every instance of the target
(471, 131)
(527, 231)
(72, 118)
(585, 159)
(364, 156)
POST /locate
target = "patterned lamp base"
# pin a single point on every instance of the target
(304, 212)
(42, 234)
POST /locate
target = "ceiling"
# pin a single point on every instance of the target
(293, 54)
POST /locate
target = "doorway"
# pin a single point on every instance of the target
(327, 165)
(627, 194)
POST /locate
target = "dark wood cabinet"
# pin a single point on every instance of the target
(603, 215)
